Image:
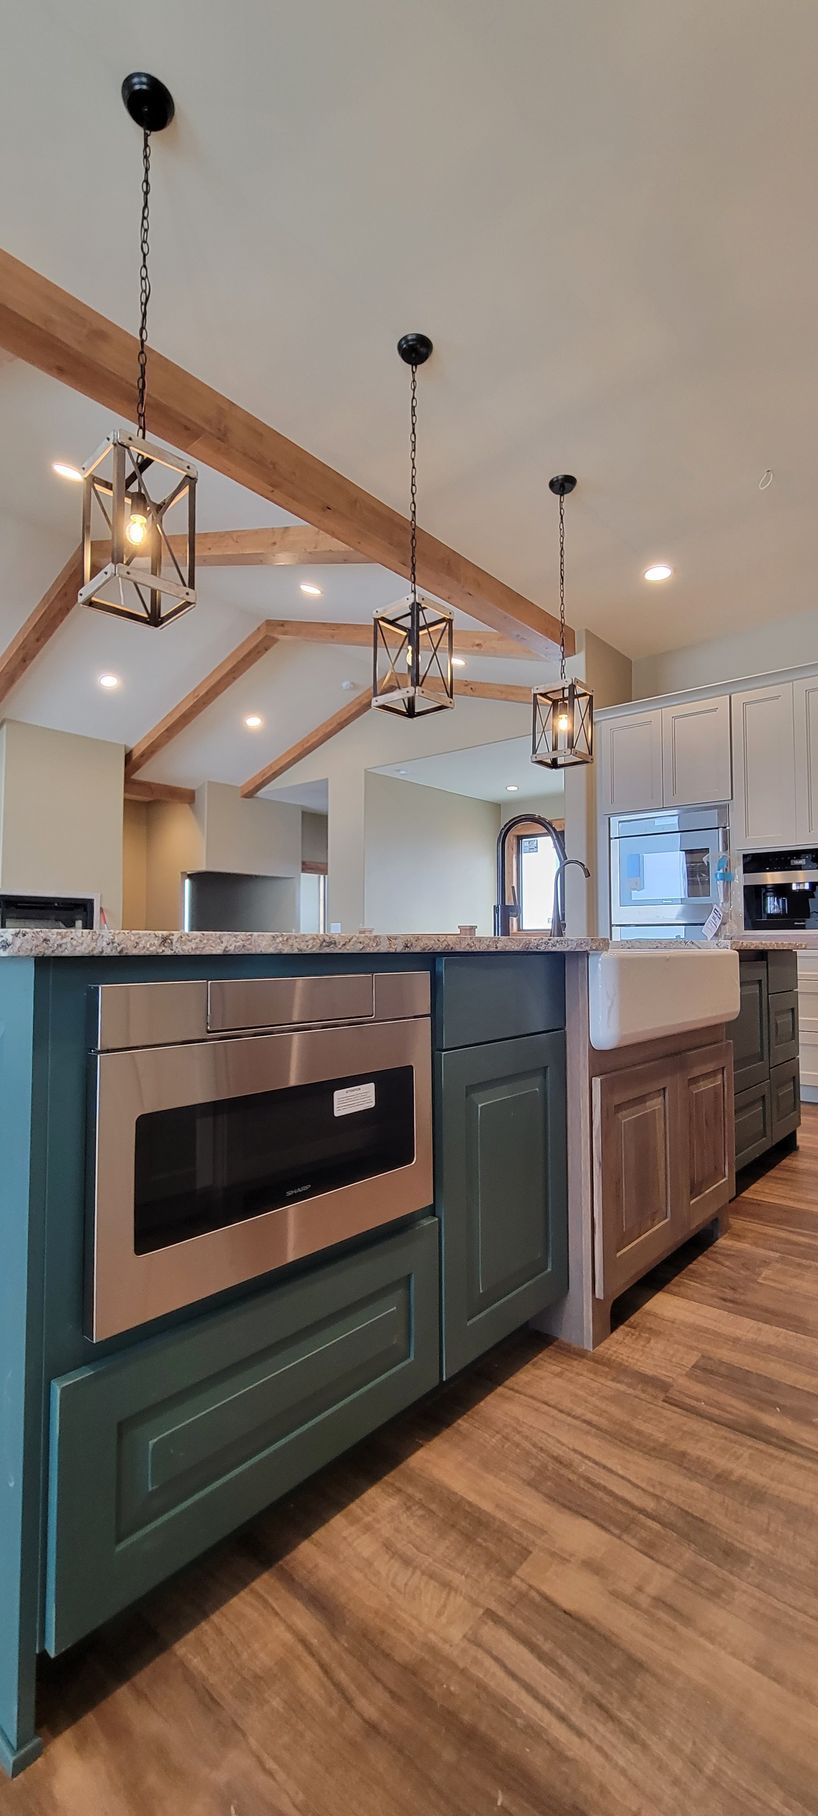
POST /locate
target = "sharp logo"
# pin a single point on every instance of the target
(297, 1191)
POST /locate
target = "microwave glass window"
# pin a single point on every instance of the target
(205, 1166)
(660, 872)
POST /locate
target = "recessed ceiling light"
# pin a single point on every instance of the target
(400, 772)
(512, 788)
(313, 592)
(659, 571)
(109, 681)
(253, 721)
(458, 661)
(350, 686)
(64, 470)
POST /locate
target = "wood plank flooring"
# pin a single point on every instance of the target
(566, 1586)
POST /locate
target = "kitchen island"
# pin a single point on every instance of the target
(139, 1429)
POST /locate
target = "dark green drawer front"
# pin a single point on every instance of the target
(753, 1123)
(785, 1094)
(750, 1033)
(159, 1453)
(782, 971)
(501, 1189)
(783, 1026)
(497, 997)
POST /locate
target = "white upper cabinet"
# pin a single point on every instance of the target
(805, 705)
(764, 810)
(696, 765)
(631, 762)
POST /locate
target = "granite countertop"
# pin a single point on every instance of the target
(49, 942)
(111, 943)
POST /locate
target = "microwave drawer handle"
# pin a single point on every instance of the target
(285, 1002)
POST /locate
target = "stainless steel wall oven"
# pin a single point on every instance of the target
(240, 1124)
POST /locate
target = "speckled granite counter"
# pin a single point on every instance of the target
(125, 943)
(110, 943)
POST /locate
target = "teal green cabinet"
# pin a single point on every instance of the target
(501, 1188)
(159, 1452)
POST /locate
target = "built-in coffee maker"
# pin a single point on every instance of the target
(781, 890)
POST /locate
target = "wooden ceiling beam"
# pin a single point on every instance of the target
(158, 791)
(289, 545)
(62, 336)
(40, 625)
(242, 658)
(466, 643)
(329, 728)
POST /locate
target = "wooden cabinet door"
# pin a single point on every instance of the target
(640, 1184)
(501, 1188)
(631, 762)
(805, 706)
(764, 811)
(706, 1079)
(696, 765)
(750, 1033)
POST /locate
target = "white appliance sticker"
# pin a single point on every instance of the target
(713, 923)
(352, 1098)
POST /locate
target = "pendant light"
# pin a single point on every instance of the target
(412, 670)
(131, 487)
(562, 725)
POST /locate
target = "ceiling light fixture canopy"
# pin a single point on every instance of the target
(412, 669)
(131, 486)
(562, 721)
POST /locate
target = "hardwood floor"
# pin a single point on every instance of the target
(567, 1586)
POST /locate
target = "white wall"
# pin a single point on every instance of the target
(429, 858)
(314, 837)
(61, 828)
(248, 837)
(783, 642)
(549, 807)
(609, 675)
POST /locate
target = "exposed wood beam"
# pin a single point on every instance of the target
(291, 545)
(322, 733)
(466, 643)
(41, 624)
(60, 335)
(158, 791)
(490, 690)
(242, 658)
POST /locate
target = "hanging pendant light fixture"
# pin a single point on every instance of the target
(131, 487)
(562, 725)
(412, 669)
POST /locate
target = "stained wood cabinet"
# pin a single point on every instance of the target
(663, 1159)
(501, 1188)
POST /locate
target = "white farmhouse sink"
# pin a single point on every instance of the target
(635, 996)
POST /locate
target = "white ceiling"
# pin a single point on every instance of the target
(603, 214)
(485, 771)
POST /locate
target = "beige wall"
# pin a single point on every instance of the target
(248, 837)
(61, 828)
(174, 846)
(609, 675)
(429, 858)
(781, 642)
(314, 837)
(135, 864)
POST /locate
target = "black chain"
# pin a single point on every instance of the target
(562, 587)
(413, 483)
(144, 285)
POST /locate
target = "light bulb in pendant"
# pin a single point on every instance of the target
(563, 721)
(137, 528)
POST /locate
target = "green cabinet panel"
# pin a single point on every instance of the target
(750, 1032)
(497, 997)
(501, 1179)
(754, 1126)
(782, 971)
(161, 1451)
(785, 1098)
(783, 1027)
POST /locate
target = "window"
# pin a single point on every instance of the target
(536, 870)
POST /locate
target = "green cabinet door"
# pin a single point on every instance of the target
(501, 1188)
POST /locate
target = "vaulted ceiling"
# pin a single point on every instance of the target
(603, 214)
